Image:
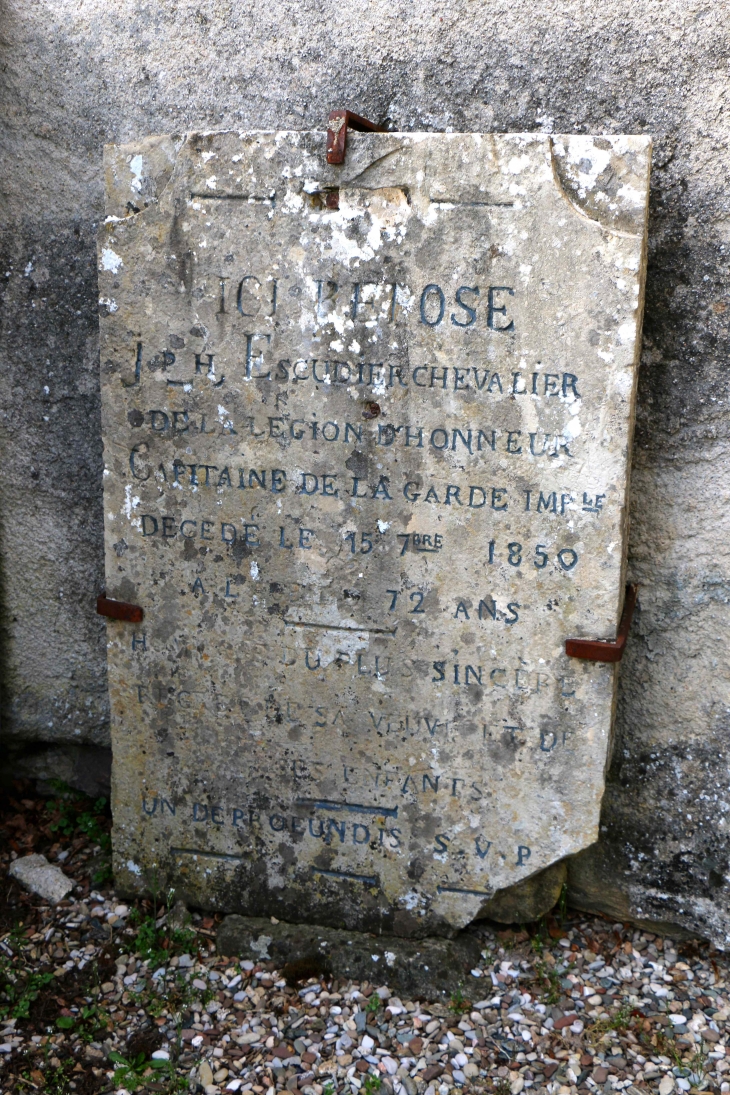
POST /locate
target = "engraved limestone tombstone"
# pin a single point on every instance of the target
(367, 438)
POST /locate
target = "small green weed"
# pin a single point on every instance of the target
(674, 1053)
(18, 989)
(75, 813)
(55, 1080)
(139, 1071)
(502, 1086)
(372, 1084)
(538, 940)
(620, 1021)
(549, 981)
(159, 943)
(129, 1071)
(104, 876)
(154, 1005)
(373, 1004)
(697, 1064)
(90, 1023)
(458, 1002)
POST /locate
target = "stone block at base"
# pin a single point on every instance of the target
(527, 900)
(593, 888)
(424, 969)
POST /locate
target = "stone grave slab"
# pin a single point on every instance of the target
(367, 438)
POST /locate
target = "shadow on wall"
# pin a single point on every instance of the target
(86, 768)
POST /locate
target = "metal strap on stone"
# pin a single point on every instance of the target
(337, 126)
(602, 650)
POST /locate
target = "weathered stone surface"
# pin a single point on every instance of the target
(367, 433)
(528, 900)
(427, 969)
(41, 877)
(75, 77)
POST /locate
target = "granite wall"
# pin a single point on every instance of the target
(74, 76)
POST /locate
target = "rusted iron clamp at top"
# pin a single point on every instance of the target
(337, 126)
(601, 650)
(119, 610)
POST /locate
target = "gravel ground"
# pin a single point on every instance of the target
(94, 998)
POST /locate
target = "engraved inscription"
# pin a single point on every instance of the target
(365, 471)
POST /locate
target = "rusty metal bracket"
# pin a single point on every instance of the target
(600, 650)
(337, 125)
(119, 610)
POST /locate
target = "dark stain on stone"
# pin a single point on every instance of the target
(357, 463)
(184, 257)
